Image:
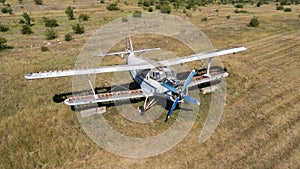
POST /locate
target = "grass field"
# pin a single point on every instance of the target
(259, 128)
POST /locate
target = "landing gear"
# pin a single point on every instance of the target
(146, 107)
(141, 110)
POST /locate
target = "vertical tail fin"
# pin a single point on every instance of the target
(129, 44)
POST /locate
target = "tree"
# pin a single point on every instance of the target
(26, 29)
(150, 9)
(137, 14)
(50, 22)
(6, 9)
(50, 34)
(38, 2)
(239, 6)
(280, 7)
(26, 19)
(2, 43)
(70, 13)
(83, 17)
(113, 7)
(254, 22)
(68, 37)
(44, 48)
(165, 9)
(3, 28)
(78, 29)
(258, 4)
(287, 9)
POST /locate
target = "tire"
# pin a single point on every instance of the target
(141, 110)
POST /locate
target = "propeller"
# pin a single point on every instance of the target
(172, 109)
(186, 97)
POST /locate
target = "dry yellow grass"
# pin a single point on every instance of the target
(259, 128)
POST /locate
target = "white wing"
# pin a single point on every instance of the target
(200, 56)
(73, 72)
(118, 68)
(104, 97)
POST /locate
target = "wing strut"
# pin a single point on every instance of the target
(90, 83)
(208, 68)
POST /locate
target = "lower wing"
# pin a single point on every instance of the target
(104, 97)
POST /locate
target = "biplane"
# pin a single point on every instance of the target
(155, 78)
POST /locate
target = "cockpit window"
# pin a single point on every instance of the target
(170, 74)
(156, 75)
(170, 82)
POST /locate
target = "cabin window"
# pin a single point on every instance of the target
(156, 75)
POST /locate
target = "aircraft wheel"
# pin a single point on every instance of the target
(141, 110)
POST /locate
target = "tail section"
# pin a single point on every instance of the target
(129, 50)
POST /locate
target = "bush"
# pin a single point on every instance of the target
(165, 9)
(102, 1)
(50, 22)
(26, 29)
(3, 28)
(70, 13)
(240, 11)
(137, 14)
(280, 7)
(113, 7)
(2, 1)
(44, 48)
(27, 20)
(68, 37)
(258, 4)
(239, 6)
(150, 9)
(188, 14)
(38, 2)
(204, 19)
(20, 1)
(254, 22)
(157, 6)
(78, 29)
(140, 3)
(83, 17)
(2, 43)
(228, 17)
(284, 2)
(6, 10)
(50, 34)
(124, 19)
(146, 3)
(288, 10)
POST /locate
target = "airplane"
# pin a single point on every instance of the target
(155, 78)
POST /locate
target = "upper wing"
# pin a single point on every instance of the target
(73, 72)
(146, 65)
(200, 56)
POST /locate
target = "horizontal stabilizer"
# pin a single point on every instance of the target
(128, 52)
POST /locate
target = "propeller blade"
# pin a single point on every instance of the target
(172, 108)
(171, 88)
(188, 80)
(192, 100)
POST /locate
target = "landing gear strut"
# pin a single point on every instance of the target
(146, 107)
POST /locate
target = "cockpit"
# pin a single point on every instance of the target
(171, 82)
(161, 73)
